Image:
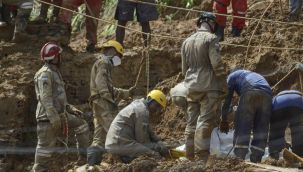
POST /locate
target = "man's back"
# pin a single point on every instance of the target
(200, 57)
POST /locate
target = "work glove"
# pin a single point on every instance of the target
(162, 149)
(299, 66)
(224, 127)
(73, 110)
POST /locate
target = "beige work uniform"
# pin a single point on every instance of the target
(130, 134)
(49, 87)
(203, 70)
(103, 98)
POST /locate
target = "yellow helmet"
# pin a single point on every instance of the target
(115, 44)
(158, 96)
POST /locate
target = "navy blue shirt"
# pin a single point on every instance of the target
(241, 81)
(288, 98)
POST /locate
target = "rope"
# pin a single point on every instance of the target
(219, 14)
(281, 80)
(146, 50)
(165, 36)
(140, 69)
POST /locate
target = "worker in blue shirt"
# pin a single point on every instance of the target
(253, 113)
(287, 110)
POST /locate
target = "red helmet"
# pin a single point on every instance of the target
(49, 51)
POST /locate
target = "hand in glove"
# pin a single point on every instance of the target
(224, 126)
(73, 110)
(162, 149)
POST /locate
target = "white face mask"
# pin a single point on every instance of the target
(116, 61)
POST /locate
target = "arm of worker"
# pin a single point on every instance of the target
(46, 99)
(226, 105)
(121, 93)
(183, 59)
(215, 58)
(99, 79)
(153, 136)
(142, 128)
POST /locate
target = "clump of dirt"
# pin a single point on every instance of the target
(215, 164)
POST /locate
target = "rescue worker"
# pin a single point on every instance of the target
(239, 8)
(295, 10)
(144, 12)
(54, 115)
(252, 114)
(178, 95)
(204, 78)
(130, 134)
(42, 18)
(287, 110)
(23, 14)
(93, 8)
(104, 96)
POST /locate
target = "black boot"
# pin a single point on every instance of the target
(236, 32)
(255, 158)
(220, 33)
(94, 155)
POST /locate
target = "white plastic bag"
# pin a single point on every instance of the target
(221, 143)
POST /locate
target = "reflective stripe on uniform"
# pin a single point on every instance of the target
(44, 152)
(257, 148)
(81, 129)
(241, 12)
(26, 5)
(241, 146)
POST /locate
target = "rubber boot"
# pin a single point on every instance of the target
(236, 32)
(203, 155)
(255, 158)
(94, 155)
(240, 152)
(275, 155)
(190, 147)
(220, 33)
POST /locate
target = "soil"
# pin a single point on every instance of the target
(19, 62)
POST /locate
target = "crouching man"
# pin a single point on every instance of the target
(287, 111)
(130, 135)
(55, 117)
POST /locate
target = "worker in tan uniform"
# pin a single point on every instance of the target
(204, 79)
(104, 96)
(55, 117)
(130, 134)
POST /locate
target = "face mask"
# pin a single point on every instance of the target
(116, 61)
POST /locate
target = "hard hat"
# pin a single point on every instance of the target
(158, 96)
(115, 44)
(206, 17)
(49, 51)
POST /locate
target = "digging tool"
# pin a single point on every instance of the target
(139, 72)
(291, 157)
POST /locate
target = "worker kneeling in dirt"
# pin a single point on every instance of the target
(204, 74)
(178, 96)
(104, 96)
(253, 112)
(55, 117)
(130, 134)
(287, 111)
